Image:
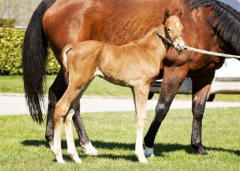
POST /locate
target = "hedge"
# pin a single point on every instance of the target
(7, 23)
(11, 53)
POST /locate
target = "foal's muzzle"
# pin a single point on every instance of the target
(179, 44)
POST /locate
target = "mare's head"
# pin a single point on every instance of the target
(174, 29)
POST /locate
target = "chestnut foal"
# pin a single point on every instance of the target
(134, 65)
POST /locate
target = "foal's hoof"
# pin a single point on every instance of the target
(77, 159)
(60, 160)
(143, 160)
(149, 152)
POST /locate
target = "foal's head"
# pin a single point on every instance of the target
(174, 29)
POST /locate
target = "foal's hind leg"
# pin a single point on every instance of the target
(70, 140)
(140, 94)
(61, 111)
(70, 97)
(55, 93)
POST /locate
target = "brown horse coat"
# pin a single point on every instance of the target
(209, 25)
(134, 65)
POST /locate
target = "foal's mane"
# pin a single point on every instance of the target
(225, 21)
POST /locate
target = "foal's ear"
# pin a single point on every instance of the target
(166, 16)
(179, 13)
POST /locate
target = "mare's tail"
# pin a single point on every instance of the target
(35, 50)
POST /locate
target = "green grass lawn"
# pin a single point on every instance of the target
(23, 146)
(99, 87)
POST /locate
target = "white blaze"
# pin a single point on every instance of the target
(178, 25)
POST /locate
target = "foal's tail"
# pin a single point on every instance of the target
(65, 50)
(35, 50)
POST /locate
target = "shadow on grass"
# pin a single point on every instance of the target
(159, 149)
(99, 144)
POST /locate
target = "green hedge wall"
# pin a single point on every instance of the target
(11, 53)
(8, 23)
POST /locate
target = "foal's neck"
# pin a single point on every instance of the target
(153, 42)
(151, 35)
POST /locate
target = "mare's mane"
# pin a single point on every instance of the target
(225, 21)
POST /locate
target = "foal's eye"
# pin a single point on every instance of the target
(168, 29)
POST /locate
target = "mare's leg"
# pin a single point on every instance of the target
(82, 134)
(173, 78)
(55, 93)
(84, 141)
(201, 87)
(140, 94)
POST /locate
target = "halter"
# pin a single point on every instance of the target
(170, 43)
(165, 40)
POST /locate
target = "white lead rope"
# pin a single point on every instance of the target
(212, 53)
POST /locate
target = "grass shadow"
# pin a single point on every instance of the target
(38, 143)
(35, 143)
(159, 148)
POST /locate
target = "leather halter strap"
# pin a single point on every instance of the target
(176, 38)
(165, 40)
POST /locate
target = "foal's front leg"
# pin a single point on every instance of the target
(140, 94)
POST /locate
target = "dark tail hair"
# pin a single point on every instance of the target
(35, 50)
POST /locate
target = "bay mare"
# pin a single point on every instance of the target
(209, 25)
(135, 65)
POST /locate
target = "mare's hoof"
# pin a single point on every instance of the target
(149, 152)
(90, 150)
(200, 150)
